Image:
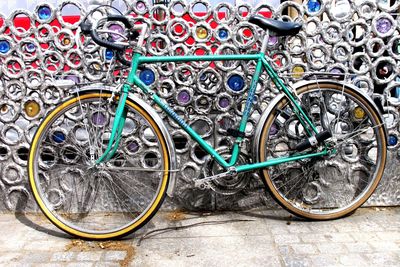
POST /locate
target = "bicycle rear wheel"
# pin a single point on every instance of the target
(333, 186)
(105, 201)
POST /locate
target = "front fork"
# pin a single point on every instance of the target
(118, 126)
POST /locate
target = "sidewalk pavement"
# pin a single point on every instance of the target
(370, 237)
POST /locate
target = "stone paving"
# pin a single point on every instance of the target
(370, 237)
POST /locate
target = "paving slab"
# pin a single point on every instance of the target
(369, 237)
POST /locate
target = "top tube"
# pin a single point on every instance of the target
(144, 59)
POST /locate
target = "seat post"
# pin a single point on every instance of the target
(265, 42)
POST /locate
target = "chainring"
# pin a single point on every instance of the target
(229, 185)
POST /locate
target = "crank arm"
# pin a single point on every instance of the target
(202, 181)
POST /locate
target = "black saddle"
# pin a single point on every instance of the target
(280, 28)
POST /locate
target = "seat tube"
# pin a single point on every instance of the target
(247, 110)
(250, 96)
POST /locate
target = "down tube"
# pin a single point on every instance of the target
(171, 113)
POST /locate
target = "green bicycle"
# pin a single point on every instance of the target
(87, 178)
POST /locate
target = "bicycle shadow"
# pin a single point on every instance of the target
(149, 231)
(21, 215)
(272, 216)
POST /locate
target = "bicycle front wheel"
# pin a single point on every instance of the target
(98, 201)
(333, 186)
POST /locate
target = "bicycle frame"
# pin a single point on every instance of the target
(262, 63)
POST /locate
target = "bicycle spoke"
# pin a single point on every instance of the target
(358, 133)
(121, 190)
(127, 185)
(121, 203)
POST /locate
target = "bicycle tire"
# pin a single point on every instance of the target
(327, 190)
(113, 200)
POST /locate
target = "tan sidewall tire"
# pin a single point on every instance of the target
(349, 209)
(137, 223)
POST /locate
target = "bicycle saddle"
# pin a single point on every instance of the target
(280, 28)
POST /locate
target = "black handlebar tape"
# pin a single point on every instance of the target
(322, 136)
(86, 27)
(133, 35)
(121, 59)
(120, 18)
